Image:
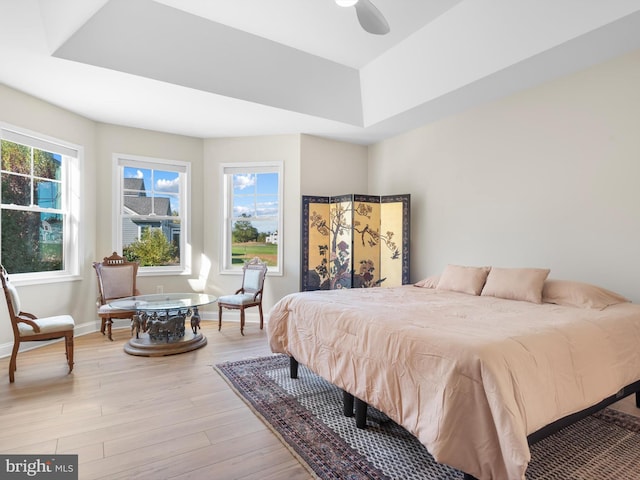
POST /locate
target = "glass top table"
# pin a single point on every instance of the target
(163, 301)
(159, 322)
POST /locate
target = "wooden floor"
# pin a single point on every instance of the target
(131, 417)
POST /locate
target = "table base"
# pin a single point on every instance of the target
(145, 347)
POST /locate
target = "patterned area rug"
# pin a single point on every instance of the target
(306, 414)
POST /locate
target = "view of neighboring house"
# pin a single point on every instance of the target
(142, 210)
(272, 238)
(50, 233)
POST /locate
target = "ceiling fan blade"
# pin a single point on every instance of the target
(370, 18)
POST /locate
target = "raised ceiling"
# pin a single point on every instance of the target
(219, 68)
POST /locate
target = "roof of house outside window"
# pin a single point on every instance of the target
(139, 203)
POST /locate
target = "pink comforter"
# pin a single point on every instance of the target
(470, 376)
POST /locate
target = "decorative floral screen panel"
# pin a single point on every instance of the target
(355, 241)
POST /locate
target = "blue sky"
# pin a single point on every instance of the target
(257, 195)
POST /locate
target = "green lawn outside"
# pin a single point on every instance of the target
(267, 252)
(51, 252)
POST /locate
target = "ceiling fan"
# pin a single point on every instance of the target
(369, 16)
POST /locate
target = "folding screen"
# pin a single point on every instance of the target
(354, 241)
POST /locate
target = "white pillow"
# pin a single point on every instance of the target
(580, 295)
(458, 278)
(429, 282)
(516, 283)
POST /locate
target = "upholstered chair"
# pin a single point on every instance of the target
(248, 295)
(116, 279)
(29, 328)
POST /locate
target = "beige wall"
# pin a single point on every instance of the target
(277, 148)
(312, 166)
(548, 177)
(112, 139)
(75, 297)
(330, 167)
(101, 141)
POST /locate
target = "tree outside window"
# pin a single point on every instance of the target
(253, 215)
(33, 208)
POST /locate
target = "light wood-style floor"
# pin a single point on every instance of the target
(131, 417)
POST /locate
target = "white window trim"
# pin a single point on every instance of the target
(185, 201)
(225, 214)
(73, 234)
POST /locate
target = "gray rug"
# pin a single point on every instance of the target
(306, 414)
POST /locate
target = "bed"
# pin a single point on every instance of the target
(473, 375)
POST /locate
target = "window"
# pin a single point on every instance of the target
(151, 213)
(39, 205)
(252, 213)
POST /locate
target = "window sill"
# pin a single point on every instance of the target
(20, 279)
(159, 271)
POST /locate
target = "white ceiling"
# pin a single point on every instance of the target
(219, 68)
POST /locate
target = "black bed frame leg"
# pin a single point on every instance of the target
(361, 413)
(347, 404)
(638, 399)
(293, 367)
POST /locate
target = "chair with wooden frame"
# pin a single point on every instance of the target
(116, 279)
(249, 295)
(29, 328)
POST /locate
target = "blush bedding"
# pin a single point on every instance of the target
(470, 376)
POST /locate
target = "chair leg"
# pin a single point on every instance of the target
(109, 323)
(13, 361)
(241, 321)
(261, 319)
(103, 325)
(68, 345)
(219, 317)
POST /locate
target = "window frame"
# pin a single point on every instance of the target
(122, 160)
(226, 206)
(71, 208)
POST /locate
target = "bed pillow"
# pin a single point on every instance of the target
(429, 282)
(458, 278)
(516, 283)
(578, 294)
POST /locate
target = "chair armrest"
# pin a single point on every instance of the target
(240, 290)
(29, 320)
